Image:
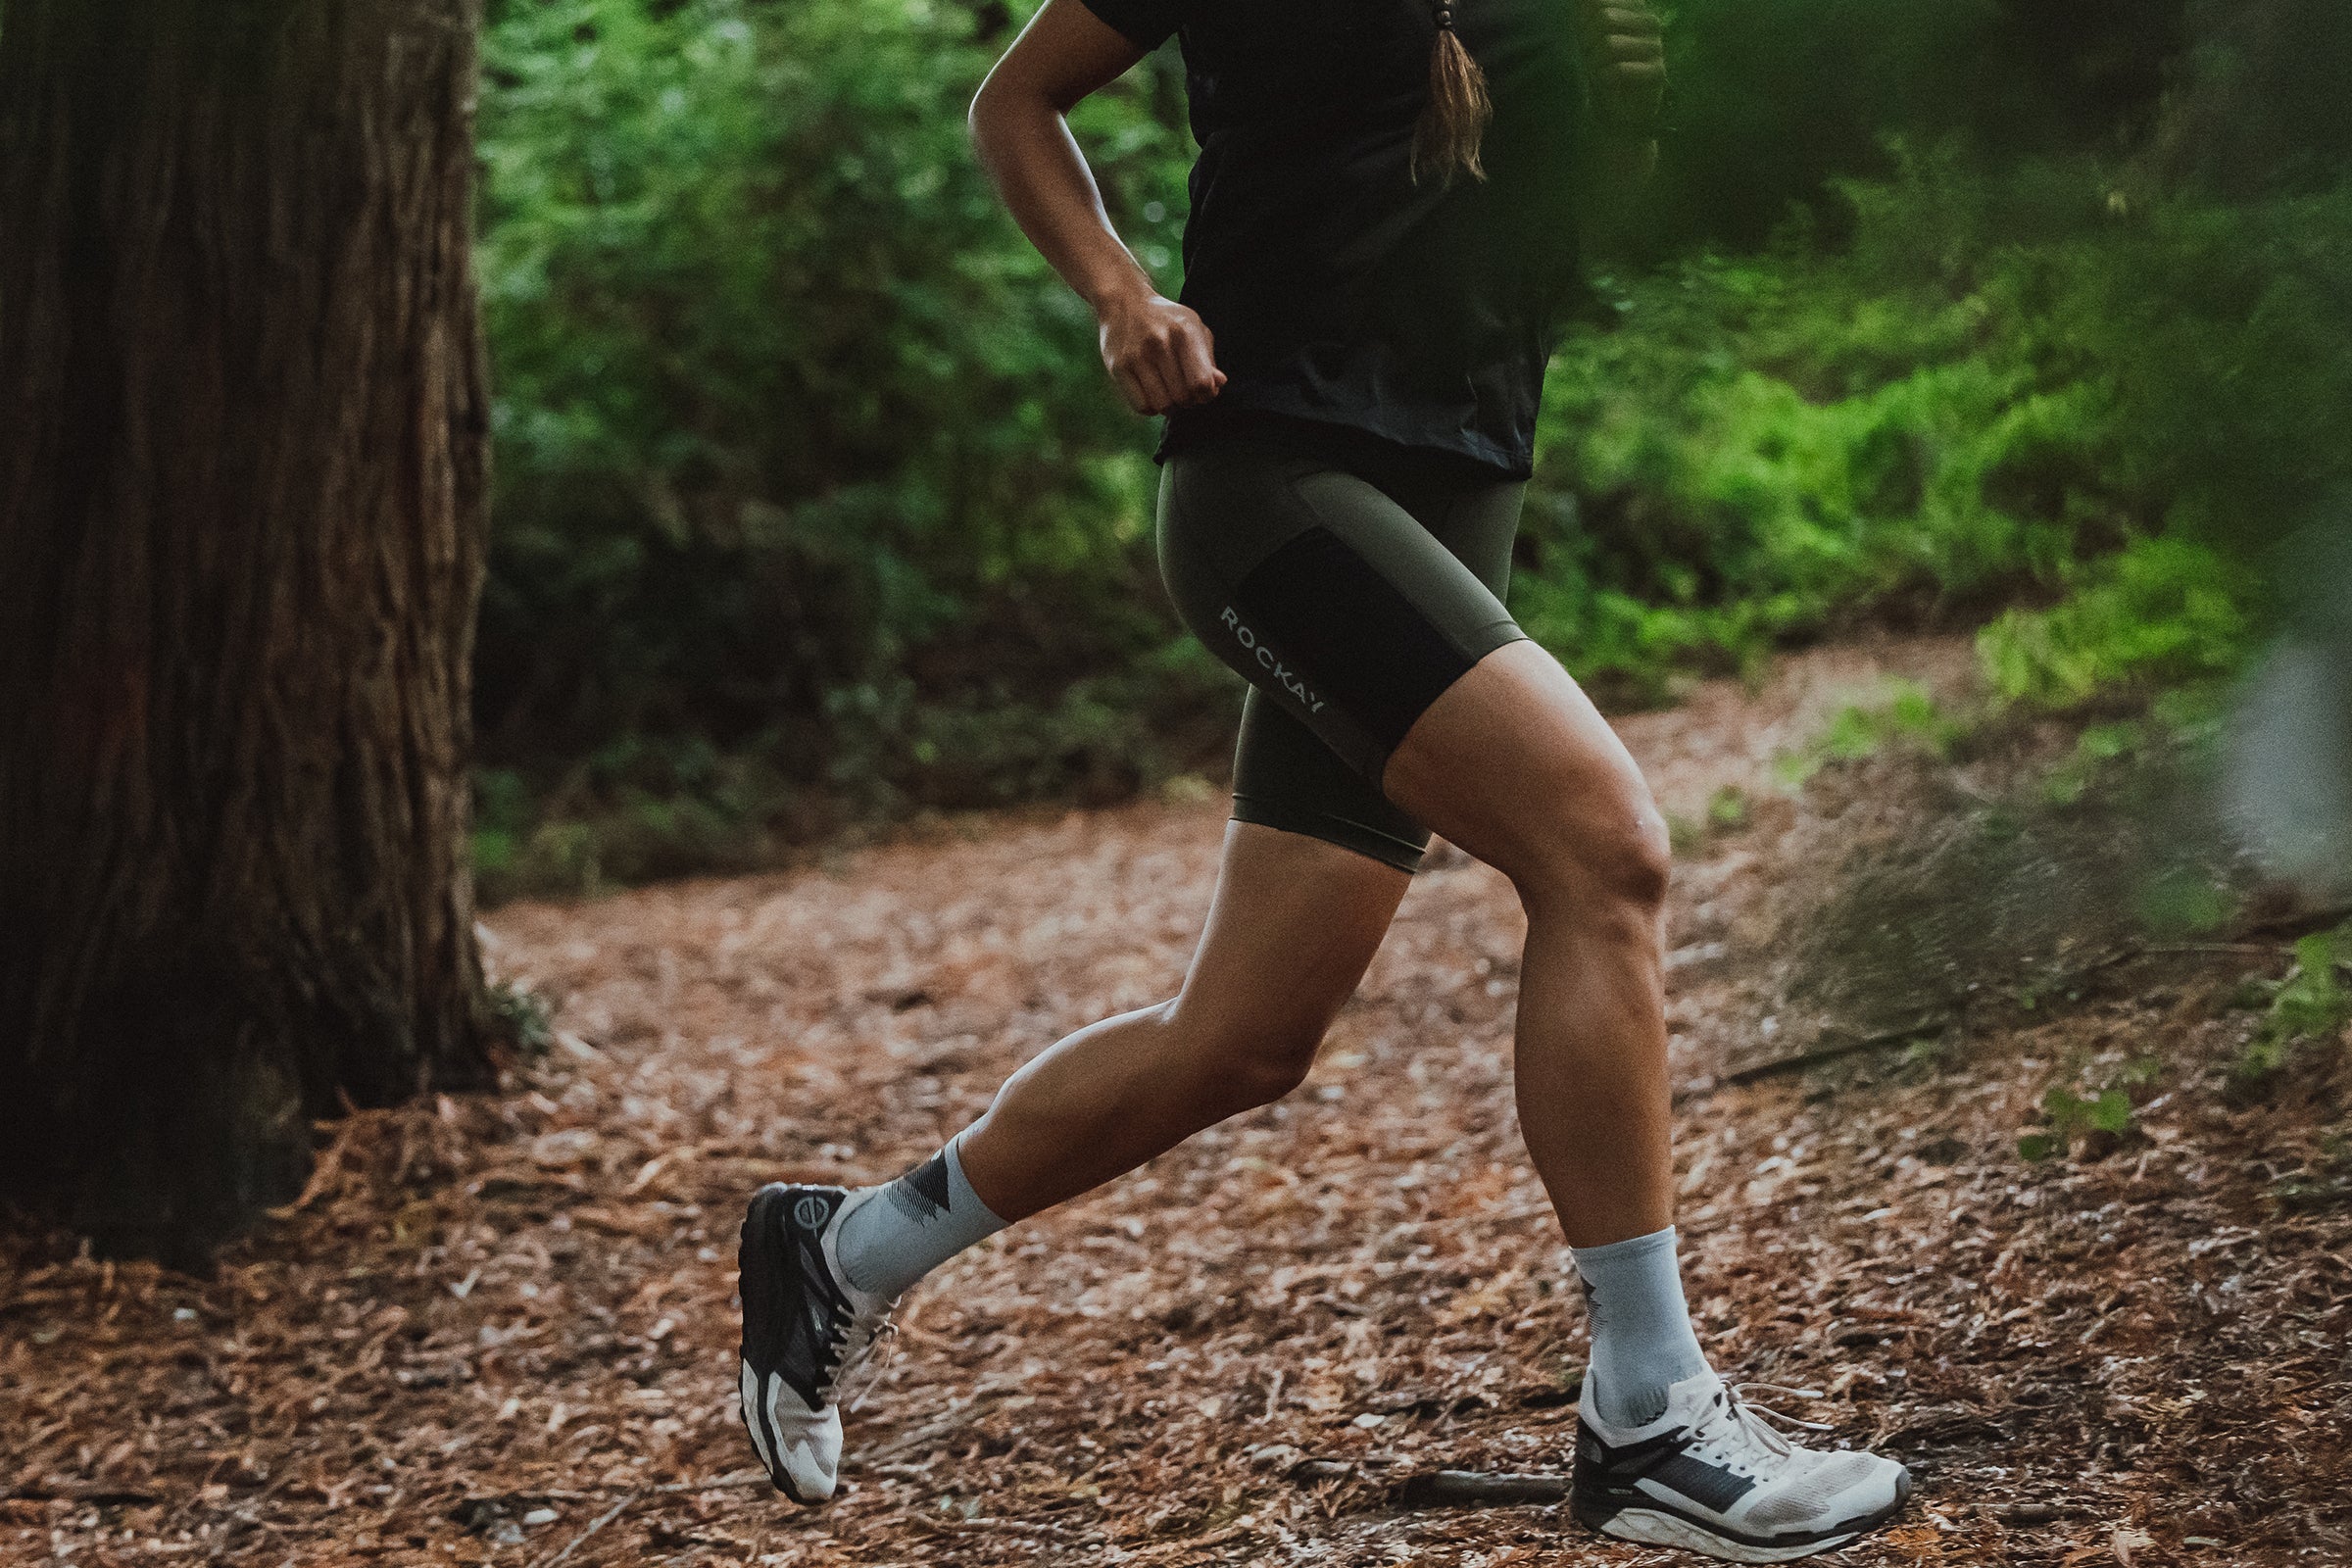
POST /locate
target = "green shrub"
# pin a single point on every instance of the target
(2071, 1115)
(2002, 381)
(787, 408)
(2161, 610)
(1903, 714)
(2310, 1006)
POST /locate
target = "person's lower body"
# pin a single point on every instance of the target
(1359, 587)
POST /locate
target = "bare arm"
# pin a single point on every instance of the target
(1159, 353)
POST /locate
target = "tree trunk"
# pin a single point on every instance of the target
(242, 468)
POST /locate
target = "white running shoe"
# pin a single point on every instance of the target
(804, 1327)
(1710, 1475)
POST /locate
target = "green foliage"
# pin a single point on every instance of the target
(1904, 714)
(1774, 100)
(2183, 900)
(1726, 811)
(2160, 609)
(2311, 1005)
(2070, 1114)
(2099, 1119)
(2314, 1001)
(2256, 104)
(1763, 446)
(1997, 385)
(789, 415)
(2094, 749)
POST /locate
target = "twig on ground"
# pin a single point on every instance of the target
(599, 1523)
(1834, 1049)
(98, 1496)
(1439, 1489)
(1013, 1527)
(726, 1483)
(2250, 949)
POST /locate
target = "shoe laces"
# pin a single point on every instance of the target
(854, 1337)
(1733, 1417)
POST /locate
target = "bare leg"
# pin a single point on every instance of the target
(1294, 925)
(1516, 765)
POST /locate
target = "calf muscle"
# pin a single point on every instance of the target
(1293, 925)
(1515, 764)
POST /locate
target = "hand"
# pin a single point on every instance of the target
(1160, 353)
(1625, 52)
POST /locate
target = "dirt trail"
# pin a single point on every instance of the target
(501, 1330)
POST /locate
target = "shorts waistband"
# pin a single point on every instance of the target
(1342, 445)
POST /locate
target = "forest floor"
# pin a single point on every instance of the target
(502, 1329)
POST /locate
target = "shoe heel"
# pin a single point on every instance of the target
(1592, 1514)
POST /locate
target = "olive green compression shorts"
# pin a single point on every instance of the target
(1350, 580)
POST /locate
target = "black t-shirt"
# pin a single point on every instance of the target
(1337, 289)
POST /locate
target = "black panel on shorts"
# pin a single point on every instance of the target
(1350, 580)
(1366, 645)
(1286, 776)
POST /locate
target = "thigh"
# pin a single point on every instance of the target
(1515, 764)
(1346, 611)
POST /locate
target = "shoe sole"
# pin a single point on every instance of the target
(1654, 1527)
(758, 1244)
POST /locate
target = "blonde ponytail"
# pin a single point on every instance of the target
(1458, 107)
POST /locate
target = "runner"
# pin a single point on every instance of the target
(1379, 259)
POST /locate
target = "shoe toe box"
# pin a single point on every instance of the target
(811, 1461)
(1842, 1487)
(800, 1448)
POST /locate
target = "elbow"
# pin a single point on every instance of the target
(999, 105)
(986, 111)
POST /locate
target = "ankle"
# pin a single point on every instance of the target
(1643, 1342)
(891, 1236)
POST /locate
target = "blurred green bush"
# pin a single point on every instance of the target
(811, 500)
(2006, 387)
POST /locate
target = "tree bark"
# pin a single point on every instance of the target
(242, 491)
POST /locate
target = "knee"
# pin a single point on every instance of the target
(1261, 1080)
(1637, 862)
(1608, 858)
(1245, 1063)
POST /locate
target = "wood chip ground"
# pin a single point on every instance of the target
(502, 1329)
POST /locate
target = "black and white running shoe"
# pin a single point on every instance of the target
(1710, 1475)
(805, 1327)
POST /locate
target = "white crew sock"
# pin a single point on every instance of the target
(1642, 1337)
(910, 1226)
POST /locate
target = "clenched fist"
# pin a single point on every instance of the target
(1625, 55)
(1161, 353)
